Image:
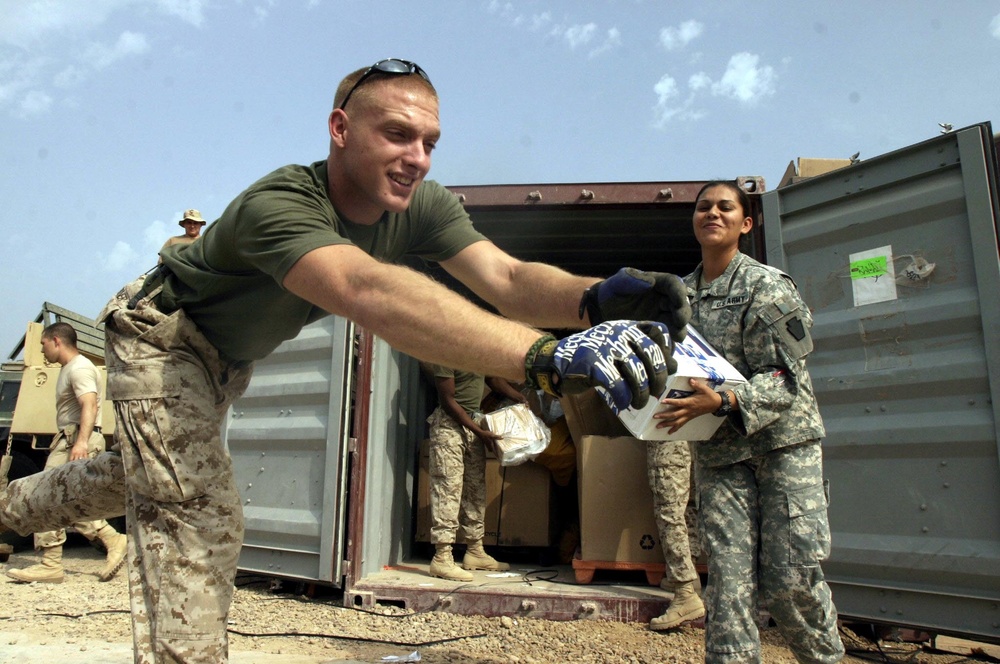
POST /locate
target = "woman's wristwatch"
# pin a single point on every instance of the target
(727, 406)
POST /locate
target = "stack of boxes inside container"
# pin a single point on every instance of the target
(616, 528)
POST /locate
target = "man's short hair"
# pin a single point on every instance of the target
(62, 331)
(368, 88)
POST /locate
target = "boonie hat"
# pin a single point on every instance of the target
(191, 215)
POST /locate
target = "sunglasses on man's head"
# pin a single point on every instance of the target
(391, 66)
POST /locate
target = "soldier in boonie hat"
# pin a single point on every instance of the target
(192, 222)
(189, 216)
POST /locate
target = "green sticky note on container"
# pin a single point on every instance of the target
(868, 267)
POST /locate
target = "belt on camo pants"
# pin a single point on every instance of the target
(154, 280)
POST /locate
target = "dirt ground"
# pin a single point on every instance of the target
(89, 621)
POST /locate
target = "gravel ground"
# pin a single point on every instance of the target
(77, 618)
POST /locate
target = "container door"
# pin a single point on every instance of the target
(288, 437)
(897, 258)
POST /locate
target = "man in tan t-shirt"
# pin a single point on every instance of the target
(78, 419)
(192, 223)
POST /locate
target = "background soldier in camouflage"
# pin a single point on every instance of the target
(303, 242)
(457, 469)
(762, 498)
(668, 464)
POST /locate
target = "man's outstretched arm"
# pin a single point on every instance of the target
(413, 313)
(549, 297)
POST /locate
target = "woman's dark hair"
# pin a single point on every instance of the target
(741, 194)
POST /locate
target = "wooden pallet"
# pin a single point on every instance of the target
(584, 569)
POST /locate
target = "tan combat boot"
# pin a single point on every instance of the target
(50, 570)
(686, 605)
(477, 558)
(670, 585)
(117, 546)
(443, 565)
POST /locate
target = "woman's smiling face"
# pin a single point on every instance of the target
(719, 218)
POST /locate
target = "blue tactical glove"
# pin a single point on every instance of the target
(624, 359)
(637, 295)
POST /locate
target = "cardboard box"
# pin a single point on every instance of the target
(616, 504)
(518, 503)
(588, 413)
(525, 508)
(695, 359)
(808, 167)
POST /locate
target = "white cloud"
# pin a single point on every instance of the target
(24, 22)
(122, 256)
(100, 56)
(665, 89)
(501, 8)
(995, 26)
(17, 75)
(191, 11)
(612, 40)
(674, 38)
(35, 102)
(669, 106)
(699, 81)
(539, 21)
(745, 80)
(576, 35)
(156, 234)
(69, 77)
(56, 29)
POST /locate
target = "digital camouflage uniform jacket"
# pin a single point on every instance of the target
(754, 316)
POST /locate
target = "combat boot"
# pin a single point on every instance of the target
(686, 605)
(477, 558)
(670, 585)
(50, 570)
(117, 546)
(443, 565)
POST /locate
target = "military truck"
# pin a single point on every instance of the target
(27, 397)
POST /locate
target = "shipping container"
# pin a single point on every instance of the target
(325, 440)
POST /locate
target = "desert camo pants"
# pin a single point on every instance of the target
(668, 465)
(170, 471)
(764, 527)
(457, 469)
(171, 389)
(58, 455)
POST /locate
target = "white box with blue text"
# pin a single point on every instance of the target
(695, 359)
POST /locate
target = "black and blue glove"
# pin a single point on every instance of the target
(624, 359)
(636, 295)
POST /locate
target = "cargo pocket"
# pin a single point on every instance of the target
(162, 432)
(143, 380)
(808, 526)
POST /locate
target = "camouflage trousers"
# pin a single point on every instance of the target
(668, 465)
(58, 455)
(171, 390)
(170, 471)
(457, 469)
(764, 528)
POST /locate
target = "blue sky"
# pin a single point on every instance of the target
(116, 115)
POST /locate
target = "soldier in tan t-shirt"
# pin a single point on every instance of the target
(78, 419)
